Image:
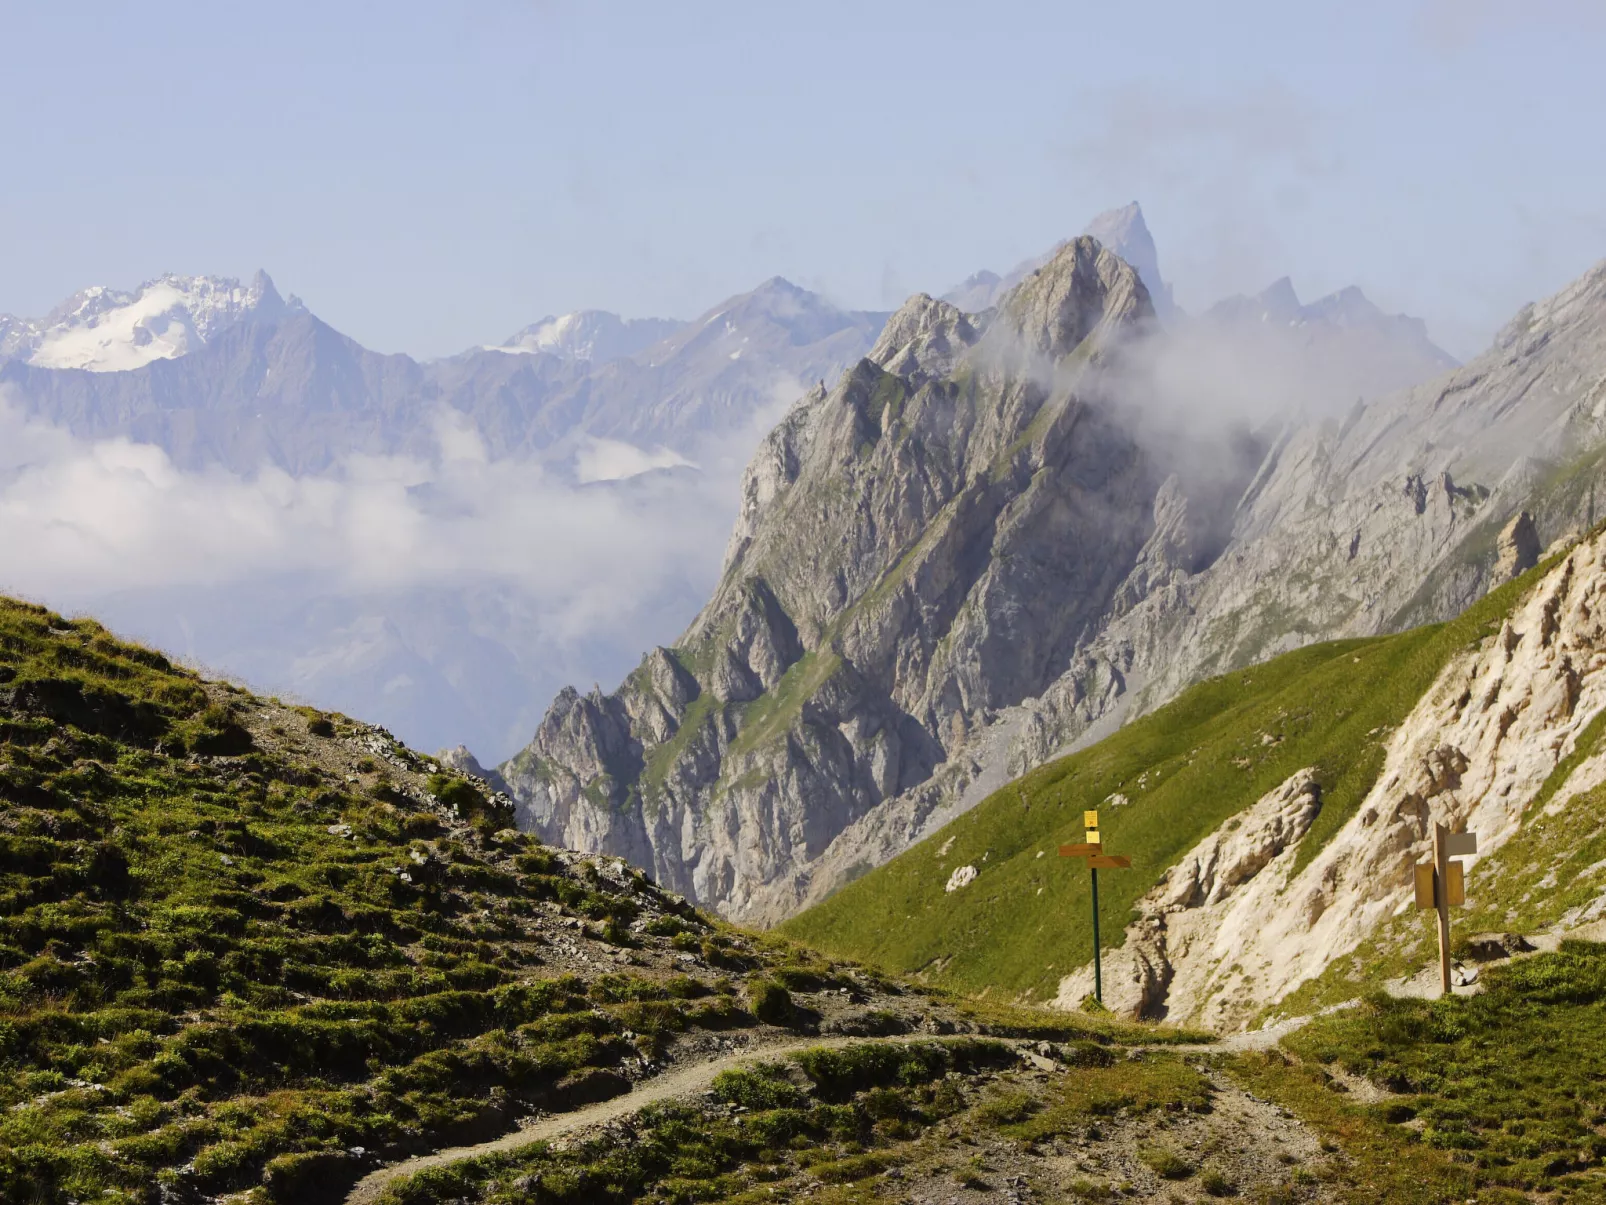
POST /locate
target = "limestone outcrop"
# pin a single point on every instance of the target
(1238, 923)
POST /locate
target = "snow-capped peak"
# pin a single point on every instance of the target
(593, 335)
(108, 330)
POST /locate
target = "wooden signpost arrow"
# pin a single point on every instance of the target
(1093, 850)
(1441, 885)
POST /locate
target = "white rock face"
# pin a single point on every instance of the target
(963, 876)
(1232, 929)
(106, 330)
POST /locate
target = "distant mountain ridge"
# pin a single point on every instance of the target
(1342, 345)
(235, 376)
(593, 335)
(661, 432)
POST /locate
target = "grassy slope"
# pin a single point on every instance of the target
(827, 1126)
(1499, 1094)
(240, 941)
(205, 980)
(1186, 768)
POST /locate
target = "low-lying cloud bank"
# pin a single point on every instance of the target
(392, 577)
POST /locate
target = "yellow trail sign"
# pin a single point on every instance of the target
(1090, 819)
(1424, 886)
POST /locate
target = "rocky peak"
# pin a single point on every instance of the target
(923, 339)
(1279, 301)
(1082, 290)
(108, 330)
(918, 545)
(1124, 232)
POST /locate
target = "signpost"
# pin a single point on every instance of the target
(1093, 850)
(1441, 885)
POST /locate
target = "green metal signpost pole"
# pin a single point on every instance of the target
(1098, 970)
(1093, 851)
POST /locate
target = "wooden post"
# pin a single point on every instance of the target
(1441, 902)
(1098, 970)
(1441, 885)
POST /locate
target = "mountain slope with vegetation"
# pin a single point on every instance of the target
(1162, 784)
(247, 946)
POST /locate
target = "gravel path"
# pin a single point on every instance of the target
(681, 1081)
(695, 1077)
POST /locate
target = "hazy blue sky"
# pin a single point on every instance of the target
(432, 175)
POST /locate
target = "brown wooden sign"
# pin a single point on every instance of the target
(1081, 850)
(1110, 862)
(1455, 884)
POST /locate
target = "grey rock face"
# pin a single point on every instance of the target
(1122, 232)
(1125, 233)
(945, 574)
(918, 547)
(1518, 548)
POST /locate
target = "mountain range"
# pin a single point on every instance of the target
(616, 423)
(1003, 534)
(629, 421)
(234, 376)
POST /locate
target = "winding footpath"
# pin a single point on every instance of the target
(692, 1078)
(678, 1082)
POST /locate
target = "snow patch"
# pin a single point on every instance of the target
(106, 330)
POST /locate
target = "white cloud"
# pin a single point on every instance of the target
(615, 460)
(80, 518)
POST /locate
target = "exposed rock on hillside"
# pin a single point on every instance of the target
(1237, 924)
(1518, 549)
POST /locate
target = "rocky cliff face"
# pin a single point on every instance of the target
(1235, 925)
(1000, 536)
(1403, 512)
(917, 549)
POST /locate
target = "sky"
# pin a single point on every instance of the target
(428, 177)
